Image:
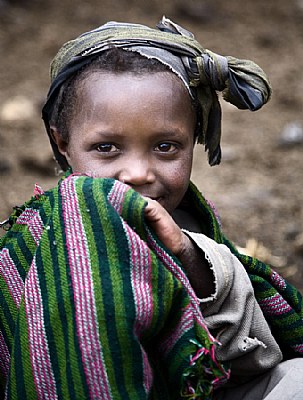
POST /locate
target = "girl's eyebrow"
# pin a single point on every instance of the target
(173, 132)
(107, 133)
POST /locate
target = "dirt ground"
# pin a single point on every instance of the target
(258, 186)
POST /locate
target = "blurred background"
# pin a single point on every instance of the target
(257, 189)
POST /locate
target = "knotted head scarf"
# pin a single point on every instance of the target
(243, 83)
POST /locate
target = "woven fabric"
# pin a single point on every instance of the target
(93, 307)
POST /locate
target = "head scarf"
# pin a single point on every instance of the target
(243, 83)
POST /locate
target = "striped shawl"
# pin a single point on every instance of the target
(93, 306)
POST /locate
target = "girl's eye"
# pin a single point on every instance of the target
(166, 147)
(106, 148)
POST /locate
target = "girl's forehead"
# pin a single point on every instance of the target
(164, 87)
(169, 80)
(122, 102)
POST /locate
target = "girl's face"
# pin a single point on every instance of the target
(136, 129)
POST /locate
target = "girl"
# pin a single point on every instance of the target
(105, 277)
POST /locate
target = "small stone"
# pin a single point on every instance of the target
(229, 154)
(299, 4)
(292, 231)
(298, 244)
(4, 167)
(18, 108)
(292, 134)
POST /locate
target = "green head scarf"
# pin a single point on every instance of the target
(243, 83)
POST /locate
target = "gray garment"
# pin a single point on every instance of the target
(234, 317)
(284, 382)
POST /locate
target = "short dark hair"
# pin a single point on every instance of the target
(115, 60)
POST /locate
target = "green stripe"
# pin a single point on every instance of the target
(103, 238)
(23, 386)
(61, 338)
(8, 312)
(19, 369)
(25, 248)
(163, 288)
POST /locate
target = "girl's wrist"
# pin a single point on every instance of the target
(196, 267)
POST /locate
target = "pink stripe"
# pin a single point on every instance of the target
(142, 287)
(298, 348)
(10, 274)
(181, 276)
(147, 372)
(81, 275)
(275, 305)
(32, 219)
(4, 356)
(142, 292)
(141, 279)
(278, 280)
(116, 195)
(186, 322)
(27, 215)
(39, 351)
(275, 299)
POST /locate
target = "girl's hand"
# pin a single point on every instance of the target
(166, 228)
(191, 257)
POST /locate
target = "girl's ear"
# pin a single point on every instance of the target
(58, 139)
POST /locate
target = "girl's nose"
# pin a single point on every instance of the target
(137, 173)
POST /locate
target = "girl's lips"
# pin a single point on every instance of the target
(152, 197)
(160, 199)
